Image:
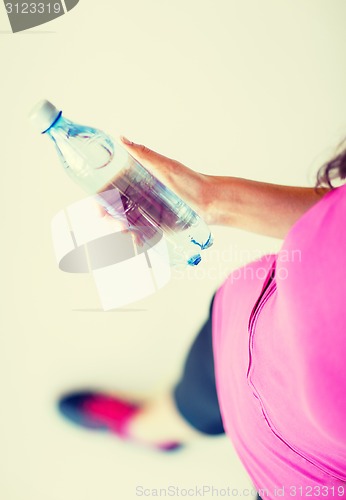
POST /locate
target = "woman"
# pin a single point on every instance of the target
(268, 366)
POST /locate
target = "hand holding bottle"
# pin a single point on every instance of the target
(127, 190)
(190, 185)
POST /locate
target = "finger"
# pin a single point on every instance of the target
(147, 157)
(139, 149)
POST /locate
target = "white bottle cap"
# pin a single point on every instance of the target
(44, 115)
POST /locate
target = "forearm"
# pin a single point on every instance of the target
(259, 207)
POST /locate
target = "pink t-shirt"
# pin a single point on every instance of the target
(280, 358)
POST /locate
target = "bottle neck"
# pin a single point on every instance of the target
(54, 123)
(85, 152)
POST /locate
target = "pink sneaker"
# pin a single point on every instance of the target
(98, 411)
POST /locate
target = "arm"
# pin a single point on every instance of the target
(258, 207)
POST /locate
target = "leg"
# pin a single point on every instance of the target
(192, 408)
(187, 412)
(195, 394)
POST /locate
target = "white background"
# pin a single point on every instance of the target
(246, 88)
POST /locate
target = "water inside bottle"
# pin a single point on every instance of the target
(150, 207)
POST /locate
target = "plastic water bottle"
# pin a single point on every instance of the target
(145, 205)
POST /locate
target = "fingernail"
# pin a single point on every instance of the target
(126, 141)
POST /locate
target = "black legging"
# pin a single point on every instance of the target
(195, 393)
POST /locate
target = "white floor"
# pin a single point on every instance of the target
(251, 89)
(43, 457)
